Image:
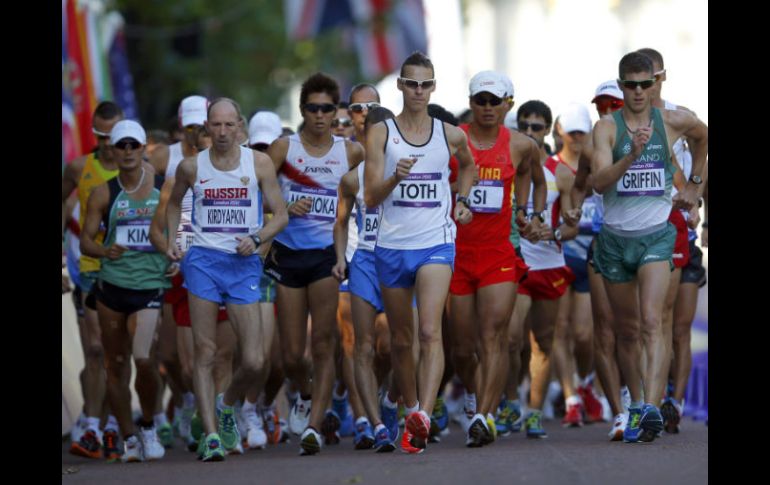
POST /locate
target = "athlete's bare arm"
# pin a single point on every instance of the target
(158, 225)
(458, 146)
(96, 209)
(683, 123)
(355, 152)
(268, 183)
(345, 200)
(184, 179)
(69, 183)
(159, 158)
(376, 186)
(605, 172)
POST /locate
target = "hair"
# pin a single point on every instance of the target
(108, 110)
(438, 111)
(634, 62)
(362, 86)
(286, 131)
(376, 115)
(535, 107)
(158, 136)
(654, 55)
(417, 58)
(223, 99)
(319, 83)
(466, 116)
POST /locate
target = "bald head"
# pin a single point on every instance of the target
(224, 124)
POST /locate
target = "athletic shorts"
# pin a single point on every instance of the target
(77, 300)
(126, 301)
(397, 268)
(222, 277)
(477, 267)
(546, 284)
(579, 268)
(180, 304)
(363, 279)
(618, 258)
(87, 281)
(681, 255)
(266, 289)
(298, 268)
(694, 272)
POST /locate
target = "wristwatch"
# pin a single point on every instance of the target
(557, 234)
(539, 215)
(696, 179)
(257, 240)
(464, 200)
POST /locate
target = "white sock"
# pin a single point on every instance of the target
(470, 402)
(413, 409)
(378, 428)
(572, 400)
(339, 397)
(112, 424)
(388, 403)
(636, 405)
(249, 407)
(159, 419)
(362, 419)
(92, 423)
(221, 401)
(189, 400)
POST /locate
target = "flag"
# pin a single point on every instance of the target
(120, 75)
(78, 77)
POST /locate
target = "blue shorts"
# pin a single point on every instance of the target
(397, 268)
(578, 266)
(222, 277)
(87, 280)
(363, 279)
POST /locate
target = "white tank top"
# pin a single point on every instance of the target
(417, 213)
(317, 178)
(225, 204)
(544, 254)
(368, 219)
(684, 156)
(184, 236)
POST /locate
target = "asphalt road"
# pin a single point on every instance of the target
(569, 456)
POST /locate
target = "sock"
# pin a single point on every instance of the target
(636, 405)
(249, 407)
(112, 424)
(339, 397)
(470, 402)
(160, 420)
(388, 403)
(378, 428)
(189, 400)
(92, 423)
(362, 419)
(572, 400)
(412, 409)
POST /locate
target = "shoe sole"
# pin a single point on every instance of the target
(476, 434)
(329, 427)
(650, 428)
(671, 418)
(76, 449)
(416, 426)
(617, 435)
(385, 448)
(365, 444)
(307, 449)
(213, 458)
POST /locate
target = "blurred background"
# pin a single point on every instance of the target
(147, 55)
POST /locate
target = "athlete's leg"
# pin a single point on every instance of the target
(604, 341)
(653, 286)
(203, 316)
(292, 327)
(364, 315)
(322, 299)
(543, 320)
(495, 305)
(142, 326)
(117, 353)
(465, 338)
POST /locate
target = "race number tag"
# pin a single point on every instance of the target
(418, 190)
(225, 210)
(371, 223)
(324, 201)
(643, 178)
(184, 237)
(134, 234)
(487, 196)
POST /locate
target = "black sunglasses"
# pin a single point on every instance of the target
(414, 84)
(345, 122)
(523, 125)
(482, 100)
(132, 144)
(359, 107)
(646, 84)
(324, 108)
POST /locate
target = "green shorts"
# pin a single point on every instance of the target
(618, 258)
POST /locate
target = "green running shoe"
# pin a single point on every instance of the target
(166, 435)
(212, 449)
(228, 429)
(533, 425)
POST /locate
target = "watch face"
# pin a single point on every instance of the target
(696, 179)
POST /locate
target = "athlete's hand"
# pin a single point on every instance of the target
(521, 220)
(686, 199)
(115, 251)
(172, 270)
(463, 215)
(404, 168)
(694, 219)
(639, 140)
(173, 252)
(532, 230)
(246, 246)
(300, 207)
(338, 270)
(65, 284)
(572, 218)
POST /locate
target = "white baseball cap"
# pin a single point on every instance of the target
(510, 121)
(264, 127)
(128, 129)
(608, 88)
(192, 110)
(489, 81)
(508, 84)
(575, 117)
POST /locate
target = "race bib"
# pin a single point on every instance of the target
(184, 237)
(487, 196)
(371, 224)
(418, 190)
(587, 217)
(643, 178)
(225, 210)
(324, 201)
(134, 234)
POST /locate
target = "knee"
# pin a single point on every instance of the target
(682, 334)
(94, 352)
(430, 335)
(205, 355)
(253, 363)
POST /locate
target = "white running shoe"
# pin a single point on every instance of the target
(237, 450)
(132, 450)
(299, 416)
(256, 437)
(618, 427)
(153, 450)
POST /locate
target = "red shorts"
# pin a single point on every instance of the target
(477, 267)
(681, 254)
(547, 284)
(181, 309)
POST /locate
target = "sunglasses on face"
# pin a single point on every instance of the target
(100, 134)
(132, 144)
(645, 84)
(414, 84)
(523, 126)
(482, 100)
(344, 122)
(315, 108)
(611, 103)
(660, 74)
(360, 107)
